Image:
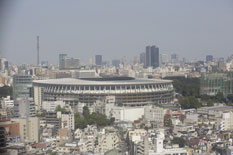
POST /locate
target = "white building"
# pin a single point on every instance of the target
(226, 121)
(7, 103)
(137, 135)
(160, 150)
(51, 105)
(155, 114)
(127, 113)
(67, 121)
(109, 104)
(24, 108)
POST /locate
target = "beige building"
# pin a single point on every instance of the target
(29, 129)
(107, 142)
(37, 97)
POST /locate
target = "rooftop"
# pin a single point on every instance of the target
(100, 81)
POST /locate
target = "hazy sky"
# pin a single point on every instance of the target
(115, 28)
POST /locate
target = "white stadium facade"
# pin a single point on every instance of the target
(127, 91)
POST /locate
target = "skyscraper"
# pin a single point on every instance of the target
(142, 58)
(62, 61)
(116, 62)
(66, 62)
(174, 58)
(98, 60)
(152, 56)
(209, 58)
(163, 59)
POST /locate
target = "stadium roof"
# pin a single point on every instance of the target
(71, 81)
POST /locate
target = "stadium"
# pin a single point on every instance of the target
(127, 91)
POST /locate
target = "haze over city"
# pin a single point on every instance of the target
(115, 29)
(116, 77)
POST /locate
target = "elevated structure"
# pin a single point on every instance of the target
(127, 91)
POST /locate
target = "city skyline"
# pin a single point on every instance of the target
(188, 29)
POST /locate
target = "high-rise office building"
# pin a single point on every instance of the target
(62, 61)
(152, 56)
(142, 58)
(98, 60)
(221, 63)
(22, 86)
(163, 59)
(66, 62)
(116, 63)
(174, 58)
(148, 56)
(209, 58)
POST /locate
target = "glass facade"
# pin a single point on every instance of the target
(212, 83)
(22, 86)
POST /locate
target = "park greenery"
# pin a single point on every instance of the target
(188, 90)
(84, 119)
(6, 91)
(59, 108)
(179, 140)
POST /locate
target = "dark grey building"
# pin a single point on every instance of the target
(98, 60)
(174, 58)
(209, 58)
(152, 56)
(142, 58)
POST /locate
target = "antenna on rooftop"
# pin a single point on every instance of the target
(38, 50)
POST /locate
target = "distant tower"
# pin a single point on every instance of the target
(38, 50)
(98, 60)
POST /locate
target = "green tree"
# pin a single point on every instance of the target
(205, 97)
(6, 91)
(86, 112)
(170, 125)
(230, 98)
(179, 140)
(220, 97)
(210, 103)
(41, 114)
(189, 102)
(186, 86)
(79, 121)
(59, 108)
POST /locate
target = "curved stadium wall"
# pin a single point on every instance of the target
(127, 91)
